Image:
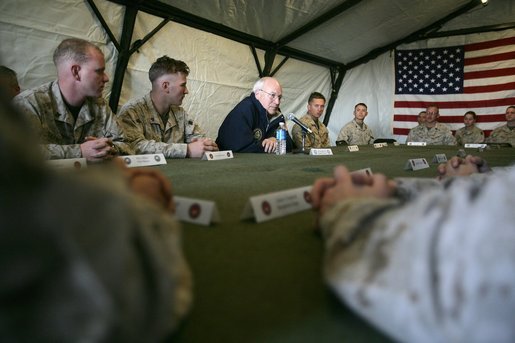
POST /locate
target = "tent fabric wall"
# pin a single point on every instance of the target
(31, 30)
(222, 71)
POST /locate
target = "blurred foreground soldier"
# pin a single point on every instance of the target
(505, 133)
(156, 123)
(84, 257)
(9, 82)
(251, 125)
(70, 115)
(320, 136)
(432, 132)
(439, 268)
(356, 132)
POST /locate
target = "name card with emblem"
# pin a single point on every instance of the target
(416, 164)
(196, 211)
(476, 145)
(278, 204)
(439, 158)
(68, 163)
(353, 148)
(365, 171)
(133, 161)
(417, 143)
(217, 155)
(320, 152)
(380, 145)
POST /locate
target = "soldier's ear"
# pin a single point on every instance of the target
(165, 85)
(75, 69)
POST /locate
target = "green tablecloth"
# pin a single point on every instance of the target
(263, 282)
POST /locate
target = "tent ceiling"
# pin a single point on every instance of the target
(335, 32)
(346, 37)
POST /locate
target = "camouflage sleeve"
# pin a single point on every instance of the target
(192, 130)
(131, 125)
(426, 270)
(344, 134)
(50, 146)
(449, 139)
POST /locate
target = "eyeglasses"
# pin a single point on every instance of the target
(273, 96)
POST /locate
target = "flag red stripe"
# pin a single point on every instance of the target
(480, 74)
(456, 104)
(490, 58)
(490, 44)
(489, 88)
(482, 118)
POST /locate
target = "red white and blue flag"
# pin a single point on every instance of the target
(479, 76)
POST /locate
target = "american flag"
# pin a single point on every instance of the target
(479, 76)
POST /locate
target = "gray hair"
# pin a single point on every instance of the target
(258, 85)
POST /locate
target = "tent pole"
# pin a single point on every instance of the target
(256, 59)
(269, 61)
(335, 89)
(108, 31)
(123, 56)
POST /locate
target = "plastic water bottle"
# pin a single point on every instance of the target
(280, 135)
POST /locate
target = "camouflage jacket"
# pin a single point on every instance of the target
(440, 134)
(144, 129)
(464, 136)
(353, 134)
(502, 134)
(319, 138)
(59, 133)
(429, 269)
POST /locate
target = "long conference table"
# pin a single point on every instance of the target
(262, 282)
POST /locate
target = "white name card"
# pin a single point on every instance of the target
(417, 143)
(196, 211)
(320, 152)
(278, 204)
(416, 164)
(133, 161)
(380, 145)
(217, 155)
(353, 148)
(476, 145)
(68, 163)
(439, 158)
(366, 171)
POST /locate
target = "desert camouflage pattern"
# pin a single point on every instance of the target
(437, 268)
(474, 135)
(145, 130)
(319, 138)
(59, 133)
(502, 134)
(440, 134)
(353, 134)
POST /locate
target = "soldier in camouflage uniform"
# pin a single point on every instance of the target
(437, 268)
(320, 136)
(470, 133)
(70, 115)
(357, 132)
(156, 123)
(505, 133)
(433, 132)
